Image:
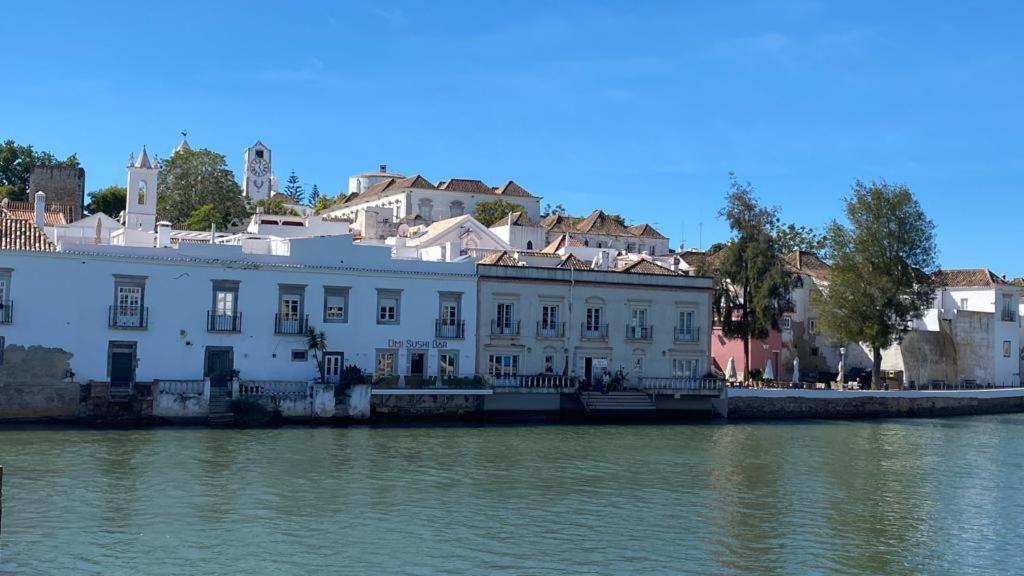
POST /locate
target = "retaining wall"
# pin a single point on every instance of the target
(784, 404)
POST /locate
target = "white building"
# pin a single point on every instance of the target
(398, 198)
(600, 230)
(141, 314)
(544, 316)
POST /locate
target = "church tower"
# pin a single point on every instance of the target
(140, 212)
(256, 183)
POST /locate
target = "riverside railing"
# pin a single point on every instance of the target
(279, 388)
(652, 383)
(540, 381)
(187, 387)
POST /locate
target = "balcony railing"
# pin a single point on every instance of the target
(1008, 316)
(550, 329)
(128, 317)
(450, 329)
(6, 311)
(639, 332)
(505, 328)
(594, 331)
(223, 322)
(687, 335)
(290, 324)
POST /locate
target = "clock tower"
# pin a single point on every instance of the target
(257, 180)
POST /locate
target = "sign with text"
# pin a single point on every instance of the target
(410, 343)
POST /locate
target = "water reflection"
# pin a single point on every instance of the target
(887, 497)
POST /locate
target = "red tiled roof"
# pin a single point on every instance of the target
(645, 231)
(510, 188)
(466, 185)
(558, 223)
(968, 278)
(68, 210)
(600, 223)
(562, 241)
(518, 219)
(18, 234)
(50, 217)
(502, 258)
(808, 263)
(647, 267)
(571, 261)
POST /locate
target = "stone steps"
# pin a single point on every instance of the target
(220, 408)
(622, 402)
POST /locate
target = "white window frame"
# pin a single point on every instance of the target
(388, 358)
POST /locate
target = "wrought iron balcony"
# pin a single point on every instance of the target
(290, 324)
(639, 332)
(687, 335)
(450, 329)
(223, 322)
(590, 331)
(505, 328)
(1009, 316)
(6, 311)
(550, 329)
(128, 317)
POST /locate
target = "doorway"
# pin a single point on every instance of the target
(122, 366)
(418, 363)
(220, 363)
(333, 361)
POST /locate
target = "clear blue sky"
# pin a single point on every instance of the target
(635, 107)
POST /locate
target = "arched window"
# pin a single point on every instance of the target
(457, 208)
(140, 199)
(529, 244)
(586, 242)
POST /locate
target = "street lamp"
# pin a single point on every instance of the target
(842, 365)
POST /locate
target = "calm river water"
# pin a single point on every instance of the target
(884, 497)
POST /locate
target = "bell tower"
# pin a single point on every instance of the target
(256, 183)
(140, 211)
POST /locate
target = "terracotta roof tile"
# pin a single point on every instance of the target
(647, 267)
(645, 231)
(502, 258)
(968, 278)
(558, 223)
(18, 234)
(600, 223)
(466, 185)
(510, 188)
(68, 210)
(518, 219)
(808, 263)
(50, 217)
(562, 241)
(571, 261)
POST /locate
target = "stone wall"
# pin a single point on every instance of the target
(45, 400)
(973, 334)
(65, 185)
(923, 357)
(425, 405)
(782, 404)
(34, 364)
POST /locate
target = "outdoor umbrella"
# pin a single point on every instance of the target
(769, 372)
(730, 370)
(796, 370)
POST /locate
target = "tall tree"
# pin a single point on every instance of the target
(293, 189)
(190, 179)
(491, 211)
(16, 164)
(275, 206)
(314, 196)
(751, 281)
(792, 238)
(883, 263)
(110, 201)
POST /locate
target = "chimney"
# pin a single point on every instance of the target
(163, 234)
(383, 168)
(40, 209)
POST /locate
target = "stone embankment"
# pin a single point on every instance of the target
(787, 404)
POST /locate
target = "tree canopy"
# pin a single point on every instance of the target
(191, 179)
(203, 218)
(792, 238)
(274, 205)
(110, 201)
(883, 264)
(294, 190)
(751, 281)
(491, 211)
(16, 164)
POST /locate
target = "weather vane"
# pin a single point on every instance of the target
(184, 133)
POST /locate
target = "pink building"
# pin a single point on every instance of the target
(723, 348)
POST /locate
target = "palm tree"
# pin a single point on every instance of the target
(317, 343)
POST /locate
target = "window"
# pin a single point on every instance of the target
(593, 319)
(1006, 348)
(140, 199)
(814, 351)
(388, 306)
(129, 299)
(631, 247)
(3, 346)
(529, 244)
(963, 303)
(1008, 315)
(450, 308)
(503, 315)
(549, 363)
(291, 304)
(812, 326)
(385, 363)
(446, 362)
(685, 368)
(5, 282)
(300, 355)
(335, 304)
(638, 317)
(502, 365)
(686, 326)
(457, 208)
(224, 303)
(426, 209)
(787, 323)
(549, 316)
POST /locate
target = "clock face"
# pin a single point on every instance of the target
(259, 167)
